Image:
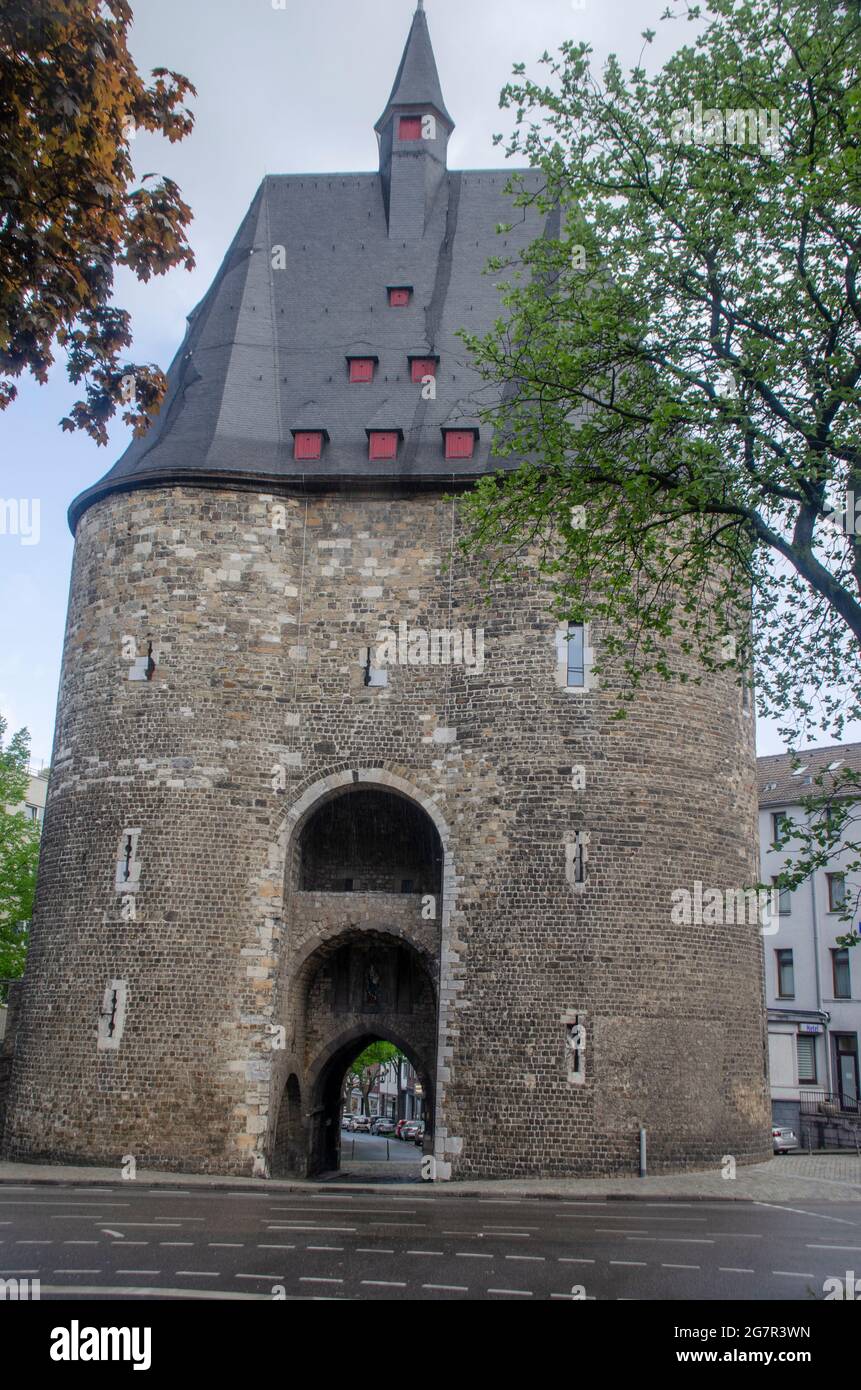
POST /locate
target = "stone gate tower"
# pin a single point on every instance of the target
(312, 788)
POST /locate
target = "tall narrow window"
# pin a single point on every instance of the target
(836, 892)
(576, 666)
(840, 970)
(785, 975)
(779, 826)
(806, 1051)
(783, 896)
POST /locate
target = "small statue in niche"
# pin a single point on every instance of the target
(372, 984)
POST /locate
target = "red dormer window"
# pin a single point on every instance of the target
(383, 445)
(399, 295)
(422, 367)
(459, 444)
(362, 368)
(410, 128)
(307, 444)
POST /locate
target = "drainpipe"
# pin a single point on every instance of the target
(828, 1072)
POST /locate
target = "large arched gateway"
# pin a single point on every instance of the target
(363, 930)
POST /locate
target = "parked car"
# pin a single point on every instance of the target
(399, 1128)
(383, 1125)
(362, 1124)
(411, 1129)
(347, 1122)
(419, 1136)
(783, 1139)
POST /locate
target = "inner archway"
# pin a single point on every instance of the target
(325, 1134)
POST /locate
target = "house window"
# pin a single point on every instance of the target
(576, 672)
(410, 128)
(399, 295)
(785, 975)
(383, 445)
(806, 1052)
(836, 892)
(362, 368)
(420, 367)
(840, 971)
(307, 444)
(406, 885)
(779, 826)
(459, 444)
(783, 895)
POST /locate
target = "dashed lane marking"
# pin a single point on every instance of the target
(448, 1288)
(509, 1293)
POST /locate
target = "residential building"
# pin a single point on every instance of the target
(812, 983)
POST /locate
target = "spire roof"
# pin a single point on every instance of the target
(417, 80)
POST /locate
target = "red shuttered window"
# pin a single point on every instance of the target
(383, 444)
(422, 367)
(459, 444)
(307, 444)
(399, 297)
(362, 368)
(410, 128)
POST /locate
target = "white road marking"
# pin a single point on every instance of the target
(176, 1242)
(360, 1249)
(471, 1255)
(641, 1264)
(669, 1266)
(314, 1229)
(307, 1280)
(226, 1245)
(793, 1274)
(198, 1273)
(834, 1247)
(817, 1216)
(536, 1258)
(729, 1269)
(384, 1283)
(425, 1252)
(569, 1260)
(269, 1277)
(33, 1242)
(340, 1247)
(76, 1271)
(448, 1288)
(80, 1242)
(519, 1293)
(129, 1291)
(129, 1271)
(276, 1247)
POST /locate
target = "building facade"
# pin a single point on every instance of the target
(314, 786)
(812, 983)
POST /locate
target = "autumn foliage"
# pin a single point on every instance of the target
(71, 208)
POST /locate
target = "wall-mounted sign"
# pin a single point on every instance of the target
(810, 1027)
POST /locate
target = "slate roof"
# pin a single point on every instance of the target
(779, 787)
(265, 350)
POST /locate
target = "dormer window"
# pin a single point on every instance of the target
(383, 445)
(307, 444)
(420, 367)
(410, 128)
(362, 368)
(459, 444)
(399, 295)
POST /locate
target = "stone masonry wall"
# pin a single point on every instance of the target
(152, 1036)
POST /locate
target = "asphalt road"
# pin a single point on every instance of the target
(130, 1241)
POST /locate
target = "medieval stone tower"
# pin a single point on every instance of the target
(273, 835)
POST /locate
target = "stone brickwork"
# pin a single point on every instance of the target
(255, 714)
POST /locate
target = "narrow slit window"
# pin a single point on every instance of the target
(785, 975)
(576, 655)
(836, 892)
(806, 1052)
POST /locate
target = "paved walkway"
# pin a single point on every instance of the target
(789, 1179)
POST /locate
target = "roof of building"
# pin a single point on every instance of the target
(265, 350)
(781, 784)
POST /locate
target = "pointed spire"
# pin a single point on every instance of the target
(417, 81)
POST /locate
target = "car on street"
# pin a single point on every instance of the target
(383, 1125)
(784, 1139)
(361, 1124)
(347, 1122)
(411, 1129)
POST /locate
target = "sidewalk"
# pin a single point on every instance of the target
(789, 1178)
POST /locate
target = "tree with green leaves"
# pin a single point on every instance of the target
(71, 207)
(19, 853)
(365, 1069)
(680, 365)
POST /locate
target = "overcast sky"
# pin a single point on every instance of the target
(280, 90)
